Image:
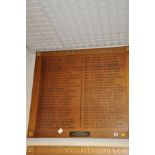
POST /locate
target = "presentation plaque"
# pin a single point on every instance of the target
(76, 150)
(80, 93)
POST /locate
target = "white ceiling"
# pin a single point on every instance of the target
(72, 24)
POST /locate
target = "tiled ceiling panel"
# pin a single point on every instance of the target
(72, 24)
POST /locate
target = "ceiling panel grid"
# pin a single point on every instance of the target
(72, 24)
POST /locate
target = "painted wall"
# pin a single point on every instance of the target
(30, 61)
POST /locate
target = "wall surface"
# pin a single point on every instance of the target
(30, 61)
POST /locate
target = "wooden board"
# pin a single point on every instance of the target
(75, 150)
(80, 93)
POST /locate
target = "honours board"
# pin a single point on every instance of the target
(80, 93)
(76, 150)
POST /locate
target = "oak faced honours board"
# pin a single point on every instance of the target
(76, 150)
(80, 93)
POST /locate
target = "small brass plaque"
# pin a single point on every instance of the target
(30, 149)
(79, 134)
(77, 91)
(31, 134)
